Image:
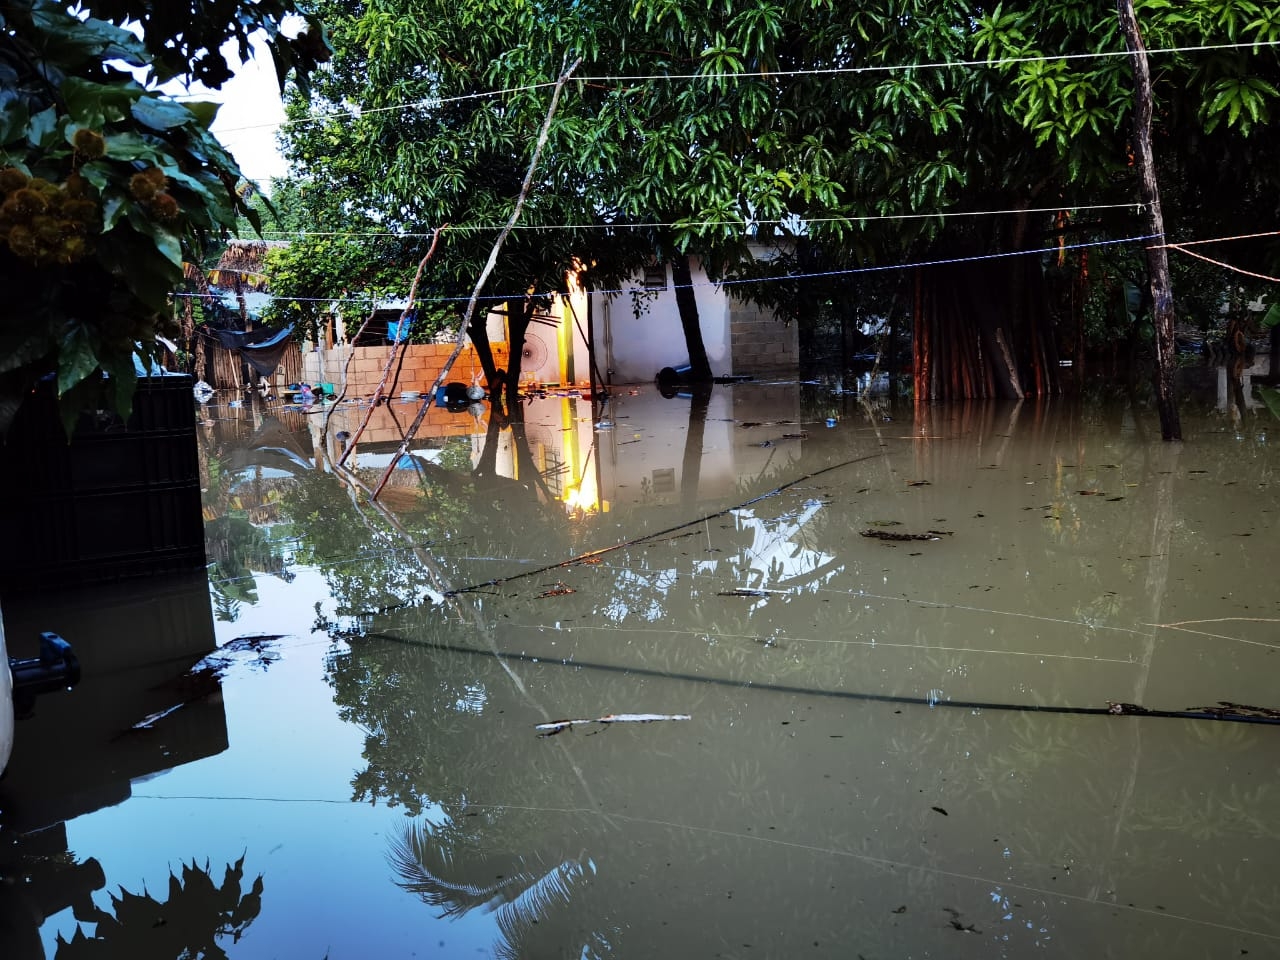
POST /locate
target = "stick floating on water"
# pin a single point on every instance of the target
(556, 726)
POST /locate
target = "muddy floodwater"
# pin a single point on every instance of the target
(764, 672)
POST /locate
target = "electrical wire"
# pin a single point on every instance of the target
(852, 271)
(870, 218)
(355, 111)
(1182, 248)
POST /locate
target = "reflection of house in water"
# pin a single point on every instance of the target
(696, 449)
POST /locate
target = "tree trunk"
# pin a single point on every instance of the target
(682, 279)
(478, 333)
(1157, 255)
(519, 316)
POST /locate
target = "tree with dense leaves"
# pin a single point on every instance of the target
(867, 138)
(107, 184)
(406, 137)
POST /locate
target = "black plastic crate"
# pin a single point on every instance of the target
(121, 499)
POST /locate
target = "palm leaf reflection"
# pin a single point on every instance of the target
(452, 871)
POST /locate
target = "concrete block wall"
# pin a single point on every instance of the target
(762, 344)
(421, 366)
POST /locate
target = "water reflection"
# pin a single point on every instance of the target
(871, 626)
(137, 710)
(149, 700)
(196, 919)
(728, 583)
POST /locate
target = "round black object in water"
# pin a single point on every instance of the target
(671, 377)
(455, 396)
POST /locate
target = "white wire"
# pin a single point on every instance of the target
(731, 282)
(376, 235)
(356, 111)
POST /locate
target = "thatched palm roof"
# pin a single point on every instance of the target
(243, 263)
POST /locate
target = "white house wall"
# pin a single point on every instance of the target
(634, 348)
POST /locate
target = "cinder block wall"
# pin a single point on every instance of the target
(762, 344)
(421, 366)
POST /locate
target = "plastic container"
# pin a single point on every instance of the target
(122, 499)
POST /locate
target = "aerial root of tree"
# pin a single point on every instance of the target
(978, 333)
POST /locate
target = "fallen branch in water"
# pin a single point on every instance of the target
(901, 537)
(558, 726)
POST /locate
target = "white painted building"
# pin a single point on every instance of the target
(636, 332)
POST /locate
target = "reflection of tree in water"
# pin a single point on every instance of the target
(194, 920)
(369, 566)
(235, 512)
(455, 869)
(236, 549)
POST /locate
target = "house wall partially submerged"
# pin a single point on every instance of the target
(637, 331)
(634, 333)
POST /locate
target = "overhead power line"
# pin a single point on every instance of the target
(851, 271)
(482, 228)
(357, 110)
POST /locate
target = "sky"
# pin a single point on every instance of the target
(250, 114)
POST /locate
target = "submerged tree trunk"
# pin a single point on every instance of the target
(519, 316)
(478, 333)
(686, 302)
(1157, 255)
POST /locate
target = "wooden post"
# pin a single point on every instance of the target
(1157, 255)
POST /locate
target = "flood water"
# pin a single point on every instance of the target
(884, 654)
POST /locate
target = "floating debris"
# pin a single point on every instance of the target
(204, 678)
(893, 537)
(957, 925)
(558, 726)
(1119, 709)
(1227, 709)
(556, 590)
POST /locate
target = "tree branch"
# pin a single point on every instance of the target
(430, 397)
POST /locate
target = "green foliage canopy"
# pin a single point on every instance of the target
(867, 134)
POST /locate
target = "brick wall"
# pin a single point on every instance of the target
(422, 363)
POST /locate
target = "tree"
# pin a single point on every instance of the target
(107, 184)
(631, 171)
(870, 138)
